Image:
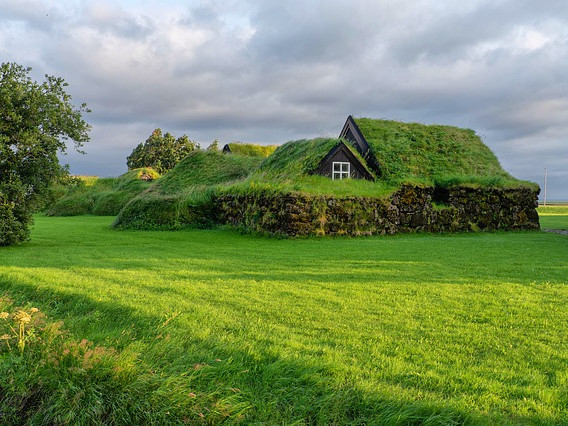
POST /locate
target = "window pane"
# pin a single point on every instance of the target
(341, 170)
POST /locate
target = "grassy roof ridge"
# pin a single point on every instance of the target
(299, 157)
(206, 168)
(429, 151)
(250, 149)
(351, 147)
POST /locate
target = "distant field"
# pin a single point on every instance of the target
(212, 325)
(553, 210)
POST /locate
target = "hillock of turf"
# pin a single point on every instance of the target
(204, 168)
(281, 195)
(300, 158)
(428, 194)
(103, 196)
(291, 202)
(410, 151)
(186, 194)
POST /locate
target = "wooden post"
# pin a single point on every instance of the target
(545, 179)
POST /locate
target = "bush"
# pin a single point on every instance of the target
(15, 218)
(12, 228)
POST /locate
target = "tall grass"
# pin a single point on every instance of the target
(102, 196)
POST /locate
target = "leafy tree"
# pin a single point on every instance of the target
(160, 152)
(214, 146)
(36, 121)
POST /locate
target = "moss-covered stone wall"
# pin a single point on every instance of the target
(409, 209)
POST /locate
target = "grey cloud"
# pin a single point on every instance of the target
(33, 14)
(317, 31)
(451, 36)
(274, 71)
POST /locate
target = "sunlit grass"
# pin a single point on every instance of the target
(441, 328)
(553, 210)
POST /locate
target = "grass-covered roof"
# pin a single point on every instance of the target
(433, 152)
(302, 157)
(251, 150)
(206, 168)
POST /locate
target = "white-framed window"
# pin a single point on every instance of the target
(340, 170)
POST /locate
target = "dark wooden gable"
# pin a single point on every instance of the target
(352, 133)
(341, 153)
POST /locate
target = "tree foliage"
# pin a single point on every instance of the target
(160, 152)
(36, 121)
(214, 146)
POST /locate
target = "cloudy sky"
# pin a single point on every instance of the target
(269, 71)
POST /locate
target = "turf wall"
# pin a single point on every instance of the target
(409, 209)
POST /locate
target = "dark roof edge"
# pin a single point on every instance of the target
(361, 143)
(359, 138)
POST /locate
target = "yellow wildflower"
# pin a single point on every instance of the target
(22, 316)
(4, 315)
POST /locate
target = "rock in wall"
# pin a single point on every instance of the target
(409, 209)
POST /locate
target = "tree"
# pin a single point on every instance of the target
(214, 146)
(161, 152)
(36, 121)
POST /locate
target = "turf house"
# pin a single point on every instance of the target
(342, 162)
(378, 177)
(252, 150)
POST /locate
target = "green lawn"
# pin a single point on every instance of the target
(212, 325)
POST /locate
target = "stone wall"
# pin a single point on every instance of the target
(409, 209)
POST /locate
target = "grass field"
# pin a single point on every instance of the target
(211, 325)
(553, 210)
